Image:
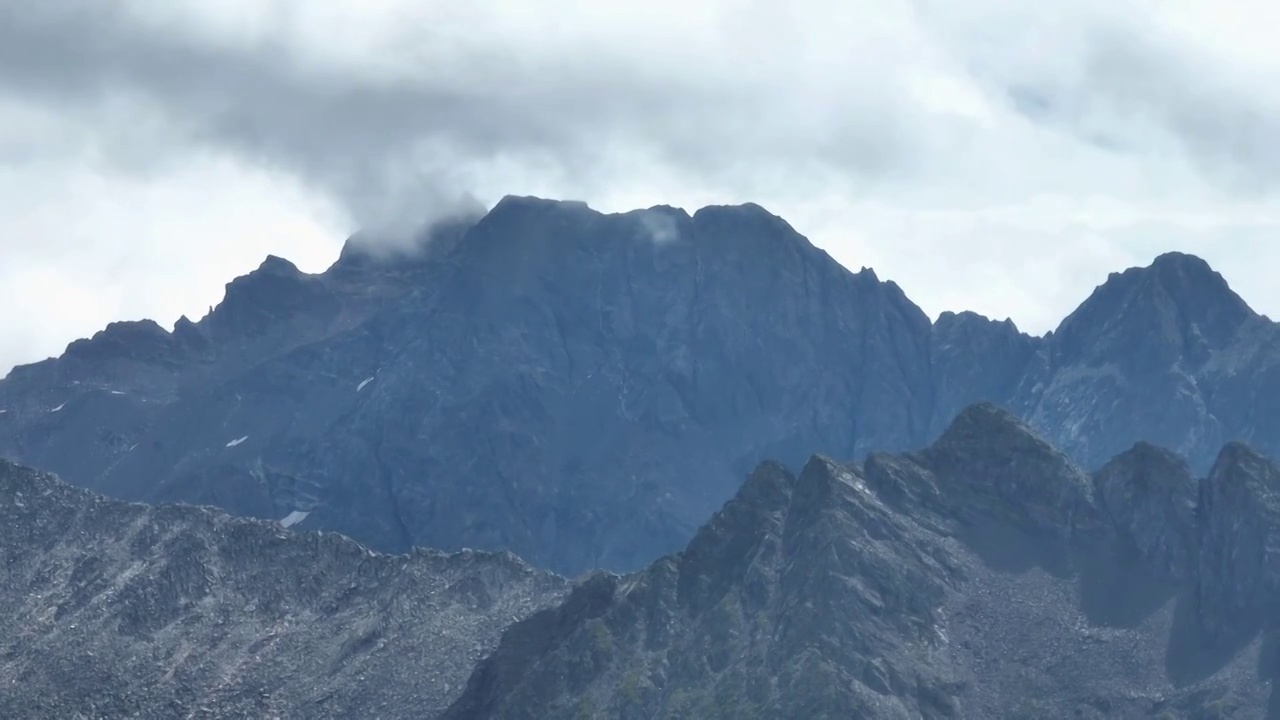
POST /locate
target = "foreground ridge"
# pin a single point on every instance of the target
(986, 576)
(110, 609)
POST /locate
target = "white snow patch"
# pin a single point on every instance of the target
(237, 441)
(58, 408)
(117, 392)
(364, 382)
(294, 518)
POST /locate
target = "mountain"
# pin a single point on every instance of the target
(110, 609)
(582, 389)
(585, 389)
(986, 576)
(1167, 354)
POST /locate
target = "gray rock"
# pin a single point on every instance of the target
(586, 389)
(557, 382)
(110, 609)
(1152, 495)
(1239, 562)
(984, 577)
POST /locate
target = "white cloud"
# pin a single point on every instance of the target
(988, 156)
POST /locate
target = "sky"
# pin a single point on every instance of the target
(990, 156)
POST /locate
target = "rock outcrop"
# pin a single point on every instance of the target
(110, 609)
(986, 576)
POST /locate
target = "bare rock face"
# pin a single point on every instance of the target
(110, 609)
(581, 389)
(1239, 562)
(1151, 495)
(585, 389)
(986, 576)
(1146, 358)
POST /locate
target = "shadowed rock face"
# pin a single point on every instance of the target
(984, 577)
(585, 389)
(110, 609)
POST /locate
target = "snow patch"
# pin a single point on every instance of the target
(294, 518)
(117, 392)
(58, 408)
(237, 441)
(364, 382)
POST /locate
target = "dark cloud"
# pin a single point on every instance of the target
(987, 155)
(389, 145)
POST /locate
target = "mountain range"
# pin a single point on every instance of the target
(585, 389)
(984, 576)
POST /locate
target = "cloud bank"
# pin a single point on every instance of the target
(984, 155)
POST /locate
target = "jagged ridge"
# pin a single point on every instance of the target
(954, 582)
(117, 610)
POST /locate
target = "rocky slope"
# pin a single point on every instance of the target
(110, 609)
(586, 389)
(986, 576)
(1166, 354)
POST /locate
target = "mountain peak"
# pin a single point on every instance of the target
(279, 266)
(1176, 307)
(1240, 463)
(531, 202)
(1150, 495)
(1000, 468)
(988, 420)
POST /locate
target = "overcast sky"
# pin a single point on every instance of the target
(987, 155)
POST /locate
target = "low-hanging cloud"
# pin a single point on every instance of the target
(390, 143)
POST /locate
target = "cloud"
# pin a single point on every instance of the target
(985, 155)
(372, 130)
(660, 226)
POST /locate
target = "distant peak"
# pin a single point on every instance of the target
(722, 549)
(1145, 452)
(748, 209)
(668, 210)
(278, 265)
(999, 467)
(1145, 468)
(1182, 273)
(969, 318)
(768, 487)
(530, 202)
(124, 338)
(1181, 261)
(1238, 455)
(986, 419)
(1178, 306)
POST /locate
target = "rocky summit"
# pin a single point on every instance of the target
(585, 389)
(115, 610)
(984, 577)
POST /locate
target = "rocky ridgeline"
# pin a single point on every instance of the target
(117, 610)
(585, 389)
(986, 576)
